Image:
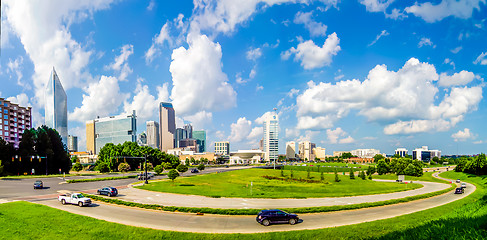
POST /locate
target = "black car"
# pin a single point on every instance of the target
(109, 191)
(194, 170)
(38, 184)
(266, 217)
(459, 190)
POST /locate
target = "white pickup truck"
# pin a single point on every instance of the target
(75, 198)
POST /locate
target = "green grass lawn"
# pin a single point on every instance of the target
(462, 219)
(238, 184)
(427, 176)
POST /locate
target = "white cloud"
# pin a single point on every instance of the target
(338, 136)
(256, 133)
(259, 88)
(406, 97)
(376, 5)
(200, 120)
(312, 56)
(240, 130)
(446, 8)
(481, 59)
(145, 104)
(479, 142)
(254, 54)
(293, 92)
(449, 61)
(151, 5)
(346, 140)
(425, 42)
(461, 78)
(21, 100)
(315, 28)
(105, 91)
(292, 133)
(382, 34)
(456, 50)
(157, 42)
(16, 67)
(260, 120)
(199, 84)
(462, 135)
(120, 63)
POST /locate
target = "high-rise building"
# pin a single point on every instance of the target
(402, 152)
(189, 130)
(200, 137)
(116, 130)
(222, 148)
(424, 154)
(271, 137)
(320, 153)
(290, 150)
(14, 119)
(179, 135)
(306, 150)
(152, 128)
(188, 144)
(142, 139)
(167, 126)
(72, 143)
(56, 109)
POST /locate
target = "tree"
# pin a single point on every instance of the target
(309, 170)
(182, 168)
(173, 174)
(346, 155)
(292, 173)
(461, 165)
(362, 175)
(77, 167)
(1, 168)
(74, 159)
(282, 172)
(477, 166)
(158, 169)
(102, 167)
(378, 157)
(123, 167)
(201, 167)
(150, 167)
(435, 160)
(382, 167)
(352, 175)
(186, 162)
(337, 179)
(370, 170)
(322, 178)
(166, 165)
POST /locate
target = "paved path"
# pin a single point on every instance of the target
(169, 199)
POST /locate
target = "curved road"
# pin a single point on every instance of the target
(188, 222)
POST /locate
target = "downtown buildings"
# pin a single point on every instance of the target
(14, 120)
(271, 137)
(167, 126)
(56, 107)
(152, 129)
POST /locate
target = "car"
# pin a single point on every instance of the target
(141, 176)
(464, 185)
(194, 170)
(38, 184)
(458, 180)
(268, 217)
(75, 198)
(459, 190)
(109, 191)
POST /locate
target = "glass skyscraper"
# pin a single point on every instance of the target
(271, 137)
(114, 130)
(56, 110)
(200, 137)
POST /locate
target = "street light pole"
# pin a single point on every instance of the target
(145, 158)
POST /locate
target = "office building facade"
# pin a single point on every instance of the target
(424, 154)
(14, 120)
(306, 151)
(56, 107)
(222, 148)
(200, 137)
(365, 153)
(401, 152)
(72, 143)
(167, 126)
(271, 137)
(320, 153)
(152, 128)
(116, 130)
(290, 150)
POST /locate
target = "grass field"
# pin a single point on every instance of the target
(238, 184)
(427, 176)
(462, 219)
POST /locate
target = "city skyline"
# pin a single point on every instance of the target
(396, 74)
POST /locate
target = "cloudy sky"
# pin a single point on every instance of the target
(343, 74)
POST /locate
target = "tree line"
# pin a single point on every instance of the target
(400, 166)
(475, 165)
(40, 151)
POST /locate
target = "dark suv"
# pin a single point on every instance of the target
(109, 191)
(266, 217)
(38, 184)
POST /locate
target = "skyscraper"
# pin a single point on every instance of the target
(290, 150)
(152, 134)
(178, 136)
(167, 126)
(56, 109)
(189, 130)
(200, 137)
(271, 137)
(72, 143)
(14, 120)
(306, 150)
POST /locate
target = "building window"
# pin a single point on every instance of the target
(5, 117)
(6, 134)
(15, 135)
(5, 104)
(5, 128)
(5, 111)
(5, 122)
(1, 132)
(15, 119)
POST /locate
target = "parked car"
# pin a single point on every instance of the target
(459, 190)
(194, 170)
(464, 185)
(141, 176)
(75, 198)
(109, 191)
(267, 217)
(458, 180)
(38, 184)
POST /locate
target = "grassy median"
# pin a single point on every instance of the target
(256, 183)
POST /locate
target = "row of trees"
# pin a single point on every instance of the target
(475, 165)
(400, 166)
(40, 149)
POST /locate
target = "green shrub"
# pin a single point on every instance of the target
(173, 174)
(123, 167)
(158, 169)
(201, 167)
(98, 179)
(77, 167)
(352, 175)
(182, 168)
(102, 167)
(337, 179)
(322, 177)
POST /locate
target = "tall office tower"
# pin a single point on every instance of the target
(152, 128)
(306, 150)
(290, 150)
(116, 130)
(14, 119)
(271, 137)
(142, 139)
(167, 126)
(56, 110)
(222, 148)
(189, 130)
(200, 137)
(178, 136)
(72, 143)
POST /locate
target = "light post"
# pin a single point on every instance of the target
(145, 159)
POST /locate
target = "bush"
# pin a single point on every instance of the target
(201, 167)
(382, 167)
(352, 175)
(182, 168)
(150, 167)
(322, 177)
(158, 169)
(102, 167)
(362, 175)
(173, 174)
(77, 167)
(370, 170)
(337, 179)
(123, 167)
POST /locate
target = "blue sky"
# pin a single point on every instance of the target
(343, 74)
